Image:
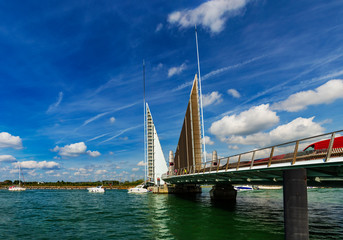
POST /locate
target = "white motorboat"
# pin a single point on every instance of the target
(97, 189)
(17, 188)
(138, 189)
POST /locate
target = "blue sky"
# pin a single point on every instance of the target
(71, 104)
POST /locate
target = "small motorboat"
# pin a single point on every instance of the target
(138, 189)
(97, 189)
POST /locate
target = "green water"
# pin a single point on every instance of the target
(77, 214)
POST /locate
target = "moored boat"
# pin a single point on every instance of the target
(17, 188)
(98, 189)
(243, 188)
(138, 189)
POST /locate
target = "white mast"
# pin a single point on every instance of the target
(19, 173)
(145, 142)
(201, 107)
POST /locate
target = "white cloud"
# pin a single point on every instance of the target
(248, 122)
(32, 173)
(50, 172)
(234, 93)
(93, 153)
(135, 169)
(212, 14)
(324, 94)
(112, 120)
(9, 141)
(159, 27)
(234, 147)
(98, 172)
(176, 70)
(52, 107)
(211, 98)
(298, 128)
(141, 163)
(158, 67)
(75, 150)
(40, 165)
(208, 140)
(93, 118)
(7, 158)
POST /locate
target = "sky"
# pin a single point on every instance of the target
(71, 95)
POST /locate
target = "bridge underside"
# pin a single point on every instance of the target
(318, 175)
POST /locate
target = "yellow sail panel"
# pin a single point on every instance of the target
(188, 151)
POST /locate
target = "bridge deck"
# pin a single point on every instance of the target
(324, 168)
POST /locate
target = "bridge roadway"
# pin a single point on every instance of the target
(324, 167)
(320, 173)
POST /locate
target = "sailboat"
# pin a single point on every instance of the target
(17, 188)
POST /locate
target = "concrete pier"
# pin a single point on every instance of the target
(295, 204)
(223, 193)
(187, 188)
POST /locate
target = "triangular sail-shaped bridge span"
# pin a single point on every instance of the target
(188, 151)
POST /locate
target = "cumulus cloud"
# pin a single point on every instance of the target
(298, 128)
(40, 165)
(208, 141)
(211, 15)
(324, 94)
(98, 172)
(234, 93)
(254, 120)
(141, 163)
(211, 98)
(176, 70)
(135, 169)
(233, 147)
(93, 153)
(9, 141)
(7, 158)
(53, 106)
(75, 150)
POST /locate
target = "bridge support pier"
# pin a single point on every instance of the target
(186, 188)
(295, 204)
(223, 193)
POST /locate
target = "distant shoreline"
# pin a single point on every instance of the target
(69, 187)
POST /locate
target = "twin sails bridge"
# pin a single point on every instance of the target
(313, 161)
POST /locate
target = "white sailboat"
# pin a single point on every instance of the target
(17, 188)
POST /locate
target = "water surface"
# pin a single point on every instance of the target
(77, 214)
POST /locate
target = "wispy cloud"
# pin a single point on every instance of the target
(219, 71)
(159, 27)
(120, 133)
(55, 105)
(176, 70)
(234, 93)
(212, 15)
(224, 69)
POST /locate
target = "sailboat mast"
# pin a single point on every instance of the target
(19, 173)
(145, 129)
(201, 106)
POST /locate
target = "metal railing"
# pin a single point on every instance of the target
(270, 156)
